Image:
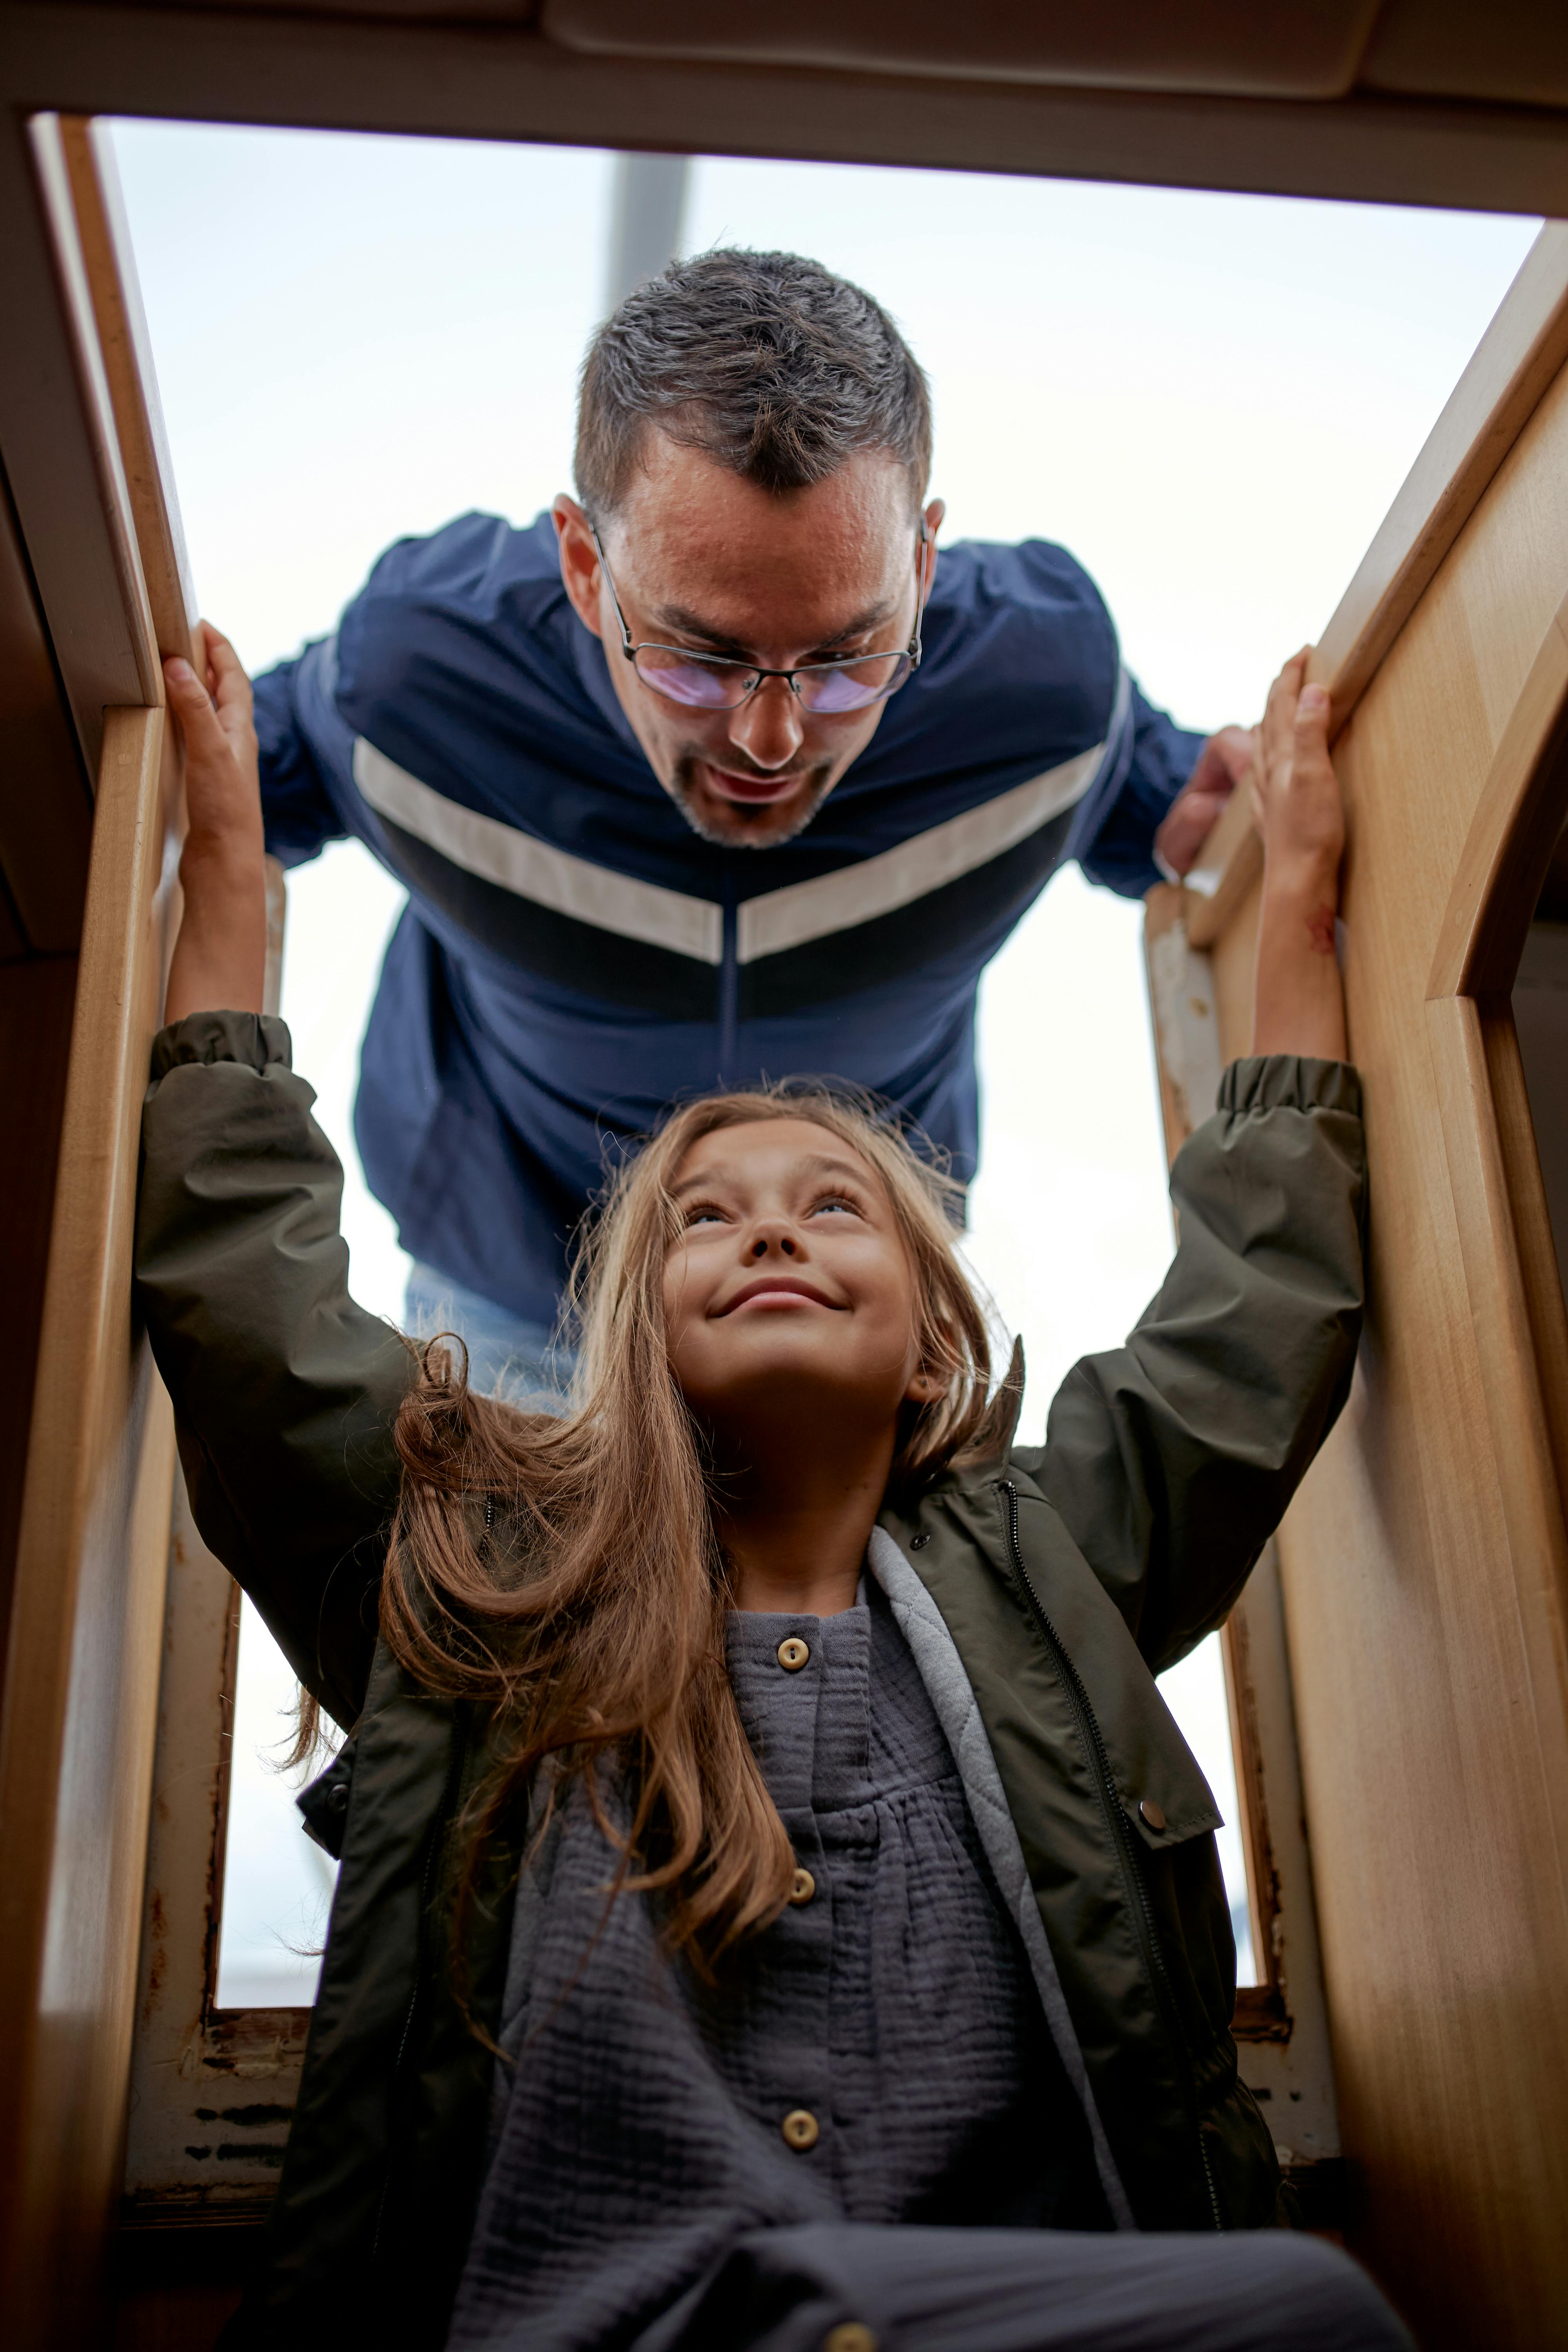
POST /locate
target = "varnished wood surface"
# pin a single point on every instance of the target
(51, 431)
(78, 1710)
(1516, 824)
(1425, 1565)
(1280, 2022)
(79, 1702)
(1517, 358)
(475, 79)
(1224, 870)
(1515, 363)
(121, 626)
(123, 339)
(37, 996)
(1424, 1560)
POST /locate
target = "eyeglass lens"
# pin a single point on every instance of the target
(715, 686)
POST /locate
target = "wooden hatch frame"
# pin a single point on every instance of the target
(1423, 1568)
(1466, 2227)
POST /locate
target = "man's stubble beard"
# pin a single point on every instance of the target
(762, 827)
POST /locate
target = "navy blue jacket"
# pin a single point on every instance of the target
(574, 957)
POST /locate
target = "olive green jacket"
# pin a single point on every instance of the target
(1064, 1577)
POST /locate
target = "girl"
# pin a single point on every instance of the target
(777, 1909)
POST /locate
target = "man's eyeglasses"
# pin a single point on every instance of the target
(829, 689)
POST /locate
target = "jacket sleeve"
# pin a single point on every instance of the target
(296, 808)
(285, 1392)
(1122, 854)
(1172, 1459)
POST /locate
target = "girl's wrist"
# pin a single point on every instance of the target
(237, 849)
(1306, 877)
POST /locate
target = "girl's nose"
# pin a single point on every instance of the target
(779, 1238)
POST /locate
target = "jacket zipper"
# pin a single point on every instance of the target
(1127, 1857)
(730, 988)
(421, 1952)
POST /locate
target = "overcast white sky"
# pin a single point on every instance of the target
(1210, 399)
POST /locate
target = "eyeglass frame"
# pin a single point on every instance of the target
(911, 651)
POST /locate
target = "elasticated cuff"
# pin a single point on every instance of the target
(256, 1040)
(1290, 1082)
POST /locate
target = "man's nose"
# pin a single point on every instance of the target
(768, 727)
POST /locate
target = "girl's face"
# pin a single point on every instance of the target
(789, 1294)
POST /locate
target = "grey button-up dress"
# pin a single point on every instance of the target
(641, 2129)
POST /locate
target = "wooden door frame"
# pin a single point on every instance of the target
(79, 1707)
(98, 534)
(1456, 2192)
(1511, 1271)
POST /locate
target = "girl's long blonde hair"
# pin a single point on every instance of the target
(566, 1573)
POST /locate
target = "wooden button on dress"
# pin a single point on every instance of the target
(793, 1653)
(802, 1886)
(800, 2129)
(1152, 1813)
(849, 2335)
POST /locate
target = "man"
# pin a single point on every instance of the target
(709, 775)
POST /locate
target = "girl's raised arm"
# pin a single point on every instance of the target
(285, 1392)
(1299, 1004)
(220, 956)
(1172, 1459)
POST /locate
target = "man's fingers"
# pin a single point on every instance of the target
(227, 678)
(1254, 777)
(1278, 718)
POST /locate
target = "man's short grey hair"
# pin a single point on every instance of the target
(766, 362)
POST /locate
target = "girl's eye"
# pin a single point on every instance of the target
(703, 1213)
(838, 1201)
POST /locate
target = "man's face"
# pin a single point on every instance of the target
(706, 561)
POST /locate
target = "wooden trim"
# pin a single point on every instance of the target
(79, 295)
(1262, 1878)
(1540, 1275)
(51, 425)
(1501, 387)
(110, 272)
(78, 1713)
(1280, 2023)
(1496, 1173)
(1505, 1233)
(474, 80)
(1516, 825)
(201, 2077)
(1522, 1343)
(1227, 866)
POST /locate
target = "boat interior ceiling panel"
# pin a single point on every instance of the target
(1516, 52)
(1405, 102)
(1229, 48)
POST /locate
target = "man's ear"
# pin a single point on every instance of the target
(580, 571)
(930, 523)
